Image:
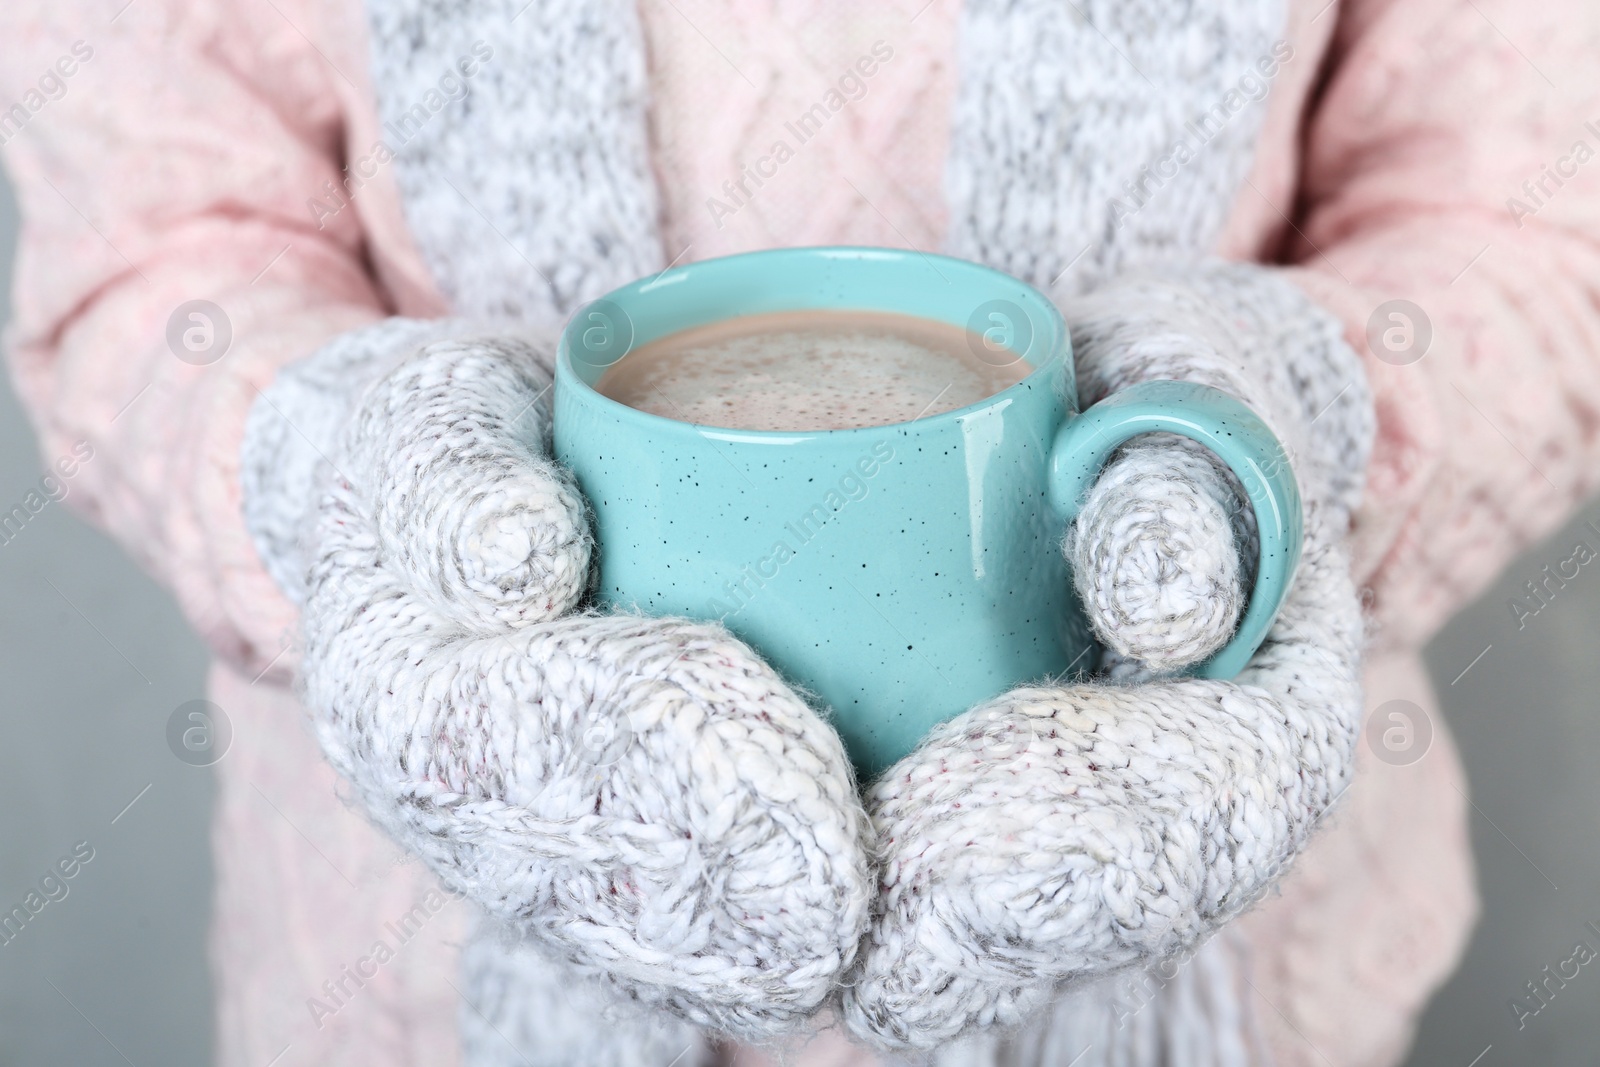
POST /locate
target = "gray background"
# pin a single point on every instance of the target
(94, 657)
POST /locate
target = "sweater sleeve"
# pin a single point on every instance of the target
(162, 158)
(1451, 166)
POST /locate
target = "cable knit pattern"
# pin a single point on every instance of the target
(532, 193)
(870, 170)
(1057, 833)
(642, 796)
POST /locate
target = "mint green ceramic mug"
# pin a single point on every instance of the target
(900, 573)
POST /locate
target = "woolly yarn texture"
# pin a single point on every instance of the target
(540, 759)
(1164, 548)
(537, 193)
(642, 797)
(1162, 554)
(297, 425)
(1047, 152)
(649, 818)
(1059, 833)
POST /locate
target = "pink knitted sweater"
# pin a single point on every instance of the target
(1417, 149)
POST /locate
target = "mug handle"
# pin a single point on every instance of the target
(1236, 434)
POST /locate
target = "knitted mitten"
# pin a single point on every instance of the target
(642, 800)
(1058, 833)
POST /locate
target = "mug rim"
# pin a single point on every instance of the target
(1061, 347)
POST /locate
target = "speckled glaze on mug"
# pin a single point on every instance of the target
(900, 573)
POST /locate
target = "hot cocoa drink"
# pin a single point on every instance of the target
(811, 370)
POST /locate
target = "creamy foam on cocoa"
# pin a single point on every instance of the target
(811, 370)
